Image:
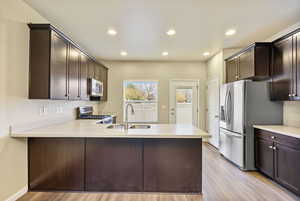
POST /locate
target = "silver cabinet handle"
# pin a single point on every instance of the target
(271, 147)
(273, 137)
(216, 116)
(274, 148)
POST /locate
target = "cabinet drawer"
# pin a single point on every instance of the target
(266, 135)
(278, 138)
(287, 140)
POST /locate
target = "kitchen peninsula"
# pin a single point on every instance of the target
(84, 156)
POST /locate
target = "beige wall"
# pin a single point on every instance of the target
(161, 71)
(15, 109)
(291, 110)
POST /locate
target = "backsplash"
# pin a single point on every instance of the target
(291, 113)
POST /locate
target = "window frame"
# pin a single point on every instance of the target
(157, 100)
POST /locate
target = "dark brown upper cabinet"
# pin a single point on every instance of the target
(104, 80)
(84, 67)
(252, 62)
(232, 69)
(58, 68)
(74, 73)
(286, 68)
(91, 68)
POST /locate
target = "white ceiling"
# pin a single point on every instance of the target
(141, 25)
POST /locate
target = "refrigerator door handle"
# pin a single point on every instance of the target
(225, 107)
(229, 106)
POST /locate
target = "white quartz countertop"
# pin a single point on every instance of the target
(280, 129)
(89, 129)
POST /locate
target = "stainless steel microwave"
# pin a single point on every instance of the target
(95, 88)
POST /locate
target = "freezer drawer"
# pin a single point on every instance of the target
(232, 147)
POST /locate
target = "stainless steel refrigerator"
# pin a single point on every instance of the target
(243, 104)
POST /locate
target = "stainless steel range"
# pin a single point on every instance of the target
(243, 104)
(87, 112)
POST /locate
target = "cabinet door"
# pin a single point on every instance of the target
(104, 79)
(264, 156)
(97, 72)
(56, 164)
(58, 68)
(282, 70)
(246, 65)
(91, 69)
(74, 73)
(231, 70)
(114, 165)
(173, 165)
(84, 77)
(287, 166)
(297, 64)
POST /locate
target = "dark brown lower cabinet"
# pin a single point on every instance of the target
(287, 166)
(278, 157)
(265, 156)
(173, 165)
(56, 164)
(114, 165)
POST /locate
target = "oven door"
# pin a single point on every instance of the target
(232, 147)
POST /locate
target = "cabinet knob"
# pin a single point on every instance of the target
(290, 95)
(293, 95)
(273, 137)
(274, 148)
(271, 147)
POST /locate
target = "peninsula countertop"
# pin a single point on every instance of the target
(90, 129)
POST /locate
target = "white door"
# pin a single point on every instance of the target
(183, 106)
(213, 94)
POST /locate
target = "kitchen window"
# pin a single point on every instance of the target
(143, 95)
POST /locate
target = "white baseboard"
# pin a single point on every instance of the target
(18, 194)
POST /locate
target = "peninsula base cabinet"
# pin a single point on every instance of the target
(278, 157)
(115, 165)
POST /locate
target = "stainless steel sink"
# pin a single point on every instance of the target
(139, 126)
(122, 126)
(116, 126)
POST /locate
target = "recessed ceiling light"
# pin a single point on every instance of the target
(123, 53)
(112, 32)
(171, 32)
(230, 32)
(165, 53)
(206, 53)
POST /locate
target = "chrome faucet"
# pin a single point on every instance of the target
(126, 114)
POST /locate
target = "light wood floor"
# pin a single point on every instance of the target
(221, 182)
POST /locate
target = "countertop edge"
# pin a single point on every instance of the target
(281, 129)
(112, 136)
